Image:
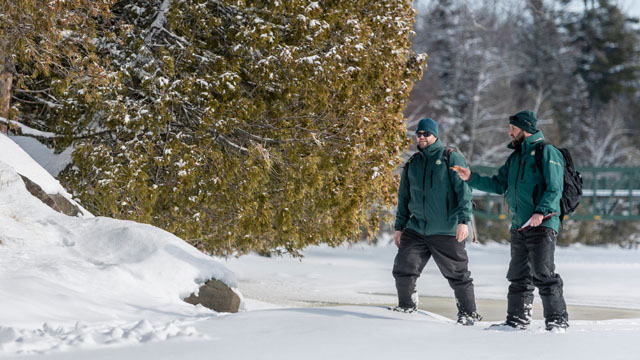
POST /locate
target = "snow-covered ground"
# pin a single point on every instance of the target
(361, 274)
(98, 288)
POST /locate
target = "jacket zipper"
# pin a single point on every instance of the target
(515, 190)
(447, 201)
(424, 194)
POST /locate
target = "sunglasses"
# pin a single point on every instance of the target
(423, 133)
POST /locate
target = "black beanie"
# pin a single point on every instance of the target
(525, 120)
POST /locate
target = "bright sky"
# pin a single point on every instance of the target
(631, 7)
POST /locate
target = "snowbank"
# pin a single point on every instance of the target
(73, 281)
(45, 157)
(22, 163)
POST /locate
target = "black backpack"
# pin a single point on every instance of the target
(572, 191)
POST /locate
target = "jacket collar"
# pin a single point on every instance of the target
(530, 141)
(432, 149)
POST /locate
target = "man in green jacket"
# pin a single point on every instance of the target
(534, 199)
(434, 207)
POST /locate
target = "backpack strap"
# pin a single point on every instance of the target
(539, 152)
(412, 157)
(406, 165)
(446, 156)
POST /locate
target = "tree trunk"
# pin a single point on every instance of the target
(6, 78)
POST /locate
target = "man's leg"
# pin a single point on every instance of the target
(411, 259)
(541, 242)
(520, 297)
(453, 262)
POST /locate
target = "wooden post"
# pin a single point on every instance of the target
(6, 78)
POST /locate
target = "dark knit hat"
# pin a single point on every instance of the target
(428, 125)
(525, 120)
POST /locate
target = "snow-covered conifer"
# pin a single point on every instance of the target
(250, 125)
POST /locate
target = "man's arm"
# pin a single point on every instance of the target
(404, 196)
(402, 213)
(496, 184)
(463, 194)
(553, 171)
(462, 190)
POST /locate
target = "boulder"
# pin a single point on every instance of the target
(217, 296)
(55, 201)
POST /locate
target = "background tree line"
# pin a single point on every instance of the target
(576, 67)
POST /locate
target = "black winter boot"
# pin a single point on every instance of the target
(468, 319)
(507, 326)
(407, 310)
(557, 325)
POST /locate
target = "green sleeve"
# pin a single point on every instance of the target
(460, 187)
(404, 195)
(553, 171)
(496, 184)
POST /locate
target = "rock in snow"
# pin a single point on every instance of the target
(216, 295)
(55, 201)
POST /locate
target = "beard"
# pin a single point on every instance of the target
(518, 140)
(425, 144)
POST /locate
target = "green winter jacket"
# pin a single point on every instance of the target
(432, 199)
(527, 190)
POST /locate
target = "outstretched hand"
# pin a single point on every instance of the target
(464, 173)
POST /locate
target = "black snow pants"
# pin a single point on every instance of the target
(451, 257)
(532, 264)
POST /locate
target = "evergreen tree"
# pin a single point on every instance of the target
(466, 87)
(446, 92)
(598, 107)
(46, 48)
(249, 125)
(609, 50)
(544, 68)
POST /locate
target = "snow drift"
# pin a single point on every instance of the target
(91, 279)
